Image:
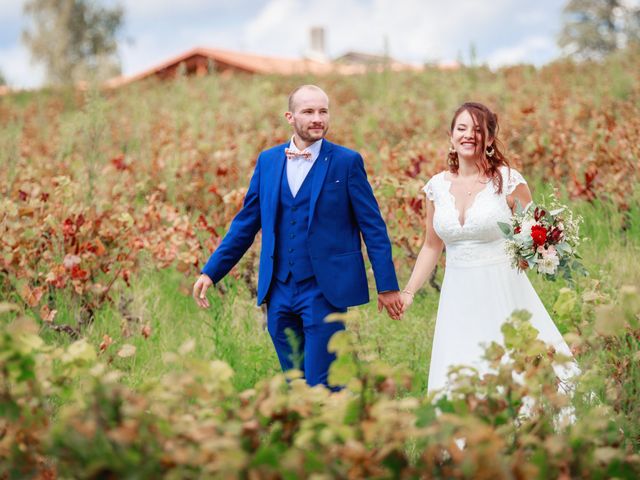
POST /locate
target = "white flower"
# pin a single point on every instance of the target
(512, 248)
(549, 261)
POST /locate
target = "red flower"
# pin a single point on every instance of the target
(78, 274)
(69, 228)
(119, 163)
(538, 214)
(517, 230)
(538, 234)
(555, 235)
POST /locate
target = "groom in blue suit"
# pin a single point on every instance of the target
(312, 200)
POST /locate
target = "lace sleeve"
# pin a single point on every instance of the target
(428, 189)
(515, 179)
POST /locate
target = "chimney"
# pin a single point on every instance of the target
(317, 49)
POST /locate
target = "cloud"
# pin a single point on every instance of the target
(416, 30)
(17, 68)
(144, 10)
(149, 49)
(10, 10)
(528, 50)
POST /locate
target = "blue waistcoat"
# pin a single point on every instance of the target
(291, 249)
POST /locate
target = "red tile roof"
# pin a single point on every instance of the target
(226, 60)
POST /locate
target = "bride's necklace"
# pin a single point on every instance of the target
(475, 180)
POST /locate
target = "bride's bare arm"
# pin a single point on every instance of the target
(522, 194)
(427, 259)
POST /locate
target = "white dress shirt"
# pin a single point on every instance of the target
(298, 167)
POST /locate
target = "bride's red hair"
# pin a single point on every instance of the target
(488, 123)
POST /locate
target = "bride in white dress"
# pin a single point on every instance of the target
(480, 289)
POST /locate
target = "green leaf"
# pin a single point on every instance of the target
(565, 303)
(352, 412)
(555, 212)
(506, 229)
(518, 332)
(267, 455)
(342, 370)
(10, 410)
(395, 462)
(340, 343)
(510, 334)
(313, 462)
(425, 415)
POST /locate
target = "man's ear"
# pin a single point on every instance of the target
(288, 116)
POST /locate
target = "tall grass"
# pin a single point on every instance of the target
(233, 329)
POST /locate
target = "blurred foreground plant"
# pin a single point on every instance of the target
(193, 424)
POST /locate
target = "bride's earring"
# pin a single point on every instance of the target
(490, 151)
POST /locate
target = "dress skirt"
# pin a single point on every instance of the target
(474, 303)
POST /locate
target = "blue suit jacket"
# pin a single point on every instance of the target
(342, 208)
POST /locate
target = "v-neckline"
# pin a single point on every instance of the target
(462, 221)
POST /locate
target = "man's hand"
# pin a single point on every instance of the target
(200, 290)
(392, 302)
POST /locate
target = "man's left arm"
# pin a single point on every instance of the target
(374, 233)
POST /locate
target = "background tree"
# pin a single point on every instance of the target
(595, 28)
(3, 81)
(75, 39)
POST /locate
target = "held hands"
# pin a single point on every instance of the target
(392, 302)
(200, 290)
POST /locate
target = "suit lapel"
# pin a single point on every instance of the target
(274, 183)
(324, 158)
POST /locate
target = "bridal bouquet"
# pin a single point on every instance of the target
(544, 238)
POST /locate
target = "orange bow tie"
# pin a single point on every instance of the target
(295, 153)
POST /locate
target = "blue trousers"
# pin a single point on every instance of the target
(295, 320)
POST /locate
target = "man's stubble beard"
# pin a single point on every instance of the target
(305, 136)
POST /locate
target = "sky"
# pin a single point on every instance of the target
(501, 32)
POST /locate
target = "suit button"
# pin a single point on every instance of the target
(290, 250)
(293, 209)
(293, 222)
(290, 262)
(292, 235)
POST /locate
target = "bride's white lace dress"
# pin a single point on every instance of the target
(480, 289)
